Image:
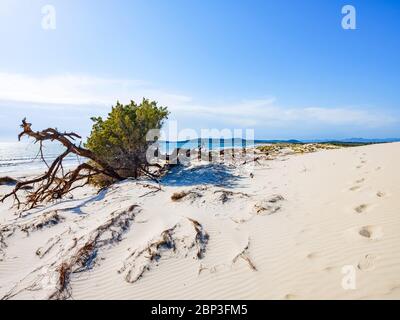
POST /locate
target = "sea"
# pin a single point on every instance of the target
(25, 156)
(22, 156)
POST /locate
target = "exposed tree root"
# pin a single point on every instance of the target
(78, 257)
(5, 232)
(173, 241)
(55, 183)
(154, 190)
(195, 193)
(245, 256)
(227, 194)
(202, 238)
(3, 246)
(140, 261)
(255, 159)
(177, 196)
(268, 206)
(34, 284)
(84, 257)
(41, 252)
(48, 219)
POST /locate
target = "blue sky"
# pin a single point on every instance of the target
(285, 68)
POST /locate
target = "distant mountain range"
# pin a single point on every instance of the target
(356, 140)
(348, 140)
(261, 141)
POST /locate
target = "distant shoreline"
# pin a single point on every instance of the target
(23, 156)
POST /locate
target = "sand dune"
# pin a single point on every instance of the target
(296, 229)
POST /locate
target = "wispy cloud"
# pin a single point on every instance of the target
(269, 112)
(77, 90)
(81, 91)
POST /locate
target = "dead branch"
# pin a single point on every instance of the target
(54, 183)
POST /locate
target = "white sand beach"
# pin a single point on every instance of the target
(288, 232)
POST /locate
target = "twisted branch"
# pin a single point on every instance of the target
(54, 184)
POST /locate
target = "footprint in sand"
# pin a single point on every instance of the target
(380, 194)
(357, 184)
(367, 263)
(328, 268)
(371, 232)
(312, 255)
(354, 188)
(361, 208)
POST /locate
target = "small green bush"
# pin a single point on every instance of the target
(120, 140)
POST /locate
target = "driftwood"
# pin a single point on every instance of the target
(55, 183)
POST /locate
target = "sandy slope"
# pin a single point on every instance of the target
(284, 234)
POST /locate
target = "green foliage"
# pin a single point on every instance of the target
(120, 140)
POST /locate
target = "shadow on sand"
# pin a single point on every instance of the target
(77, 204)
(210, 174)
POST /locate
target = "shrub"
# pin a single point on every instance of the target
(120, 140)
